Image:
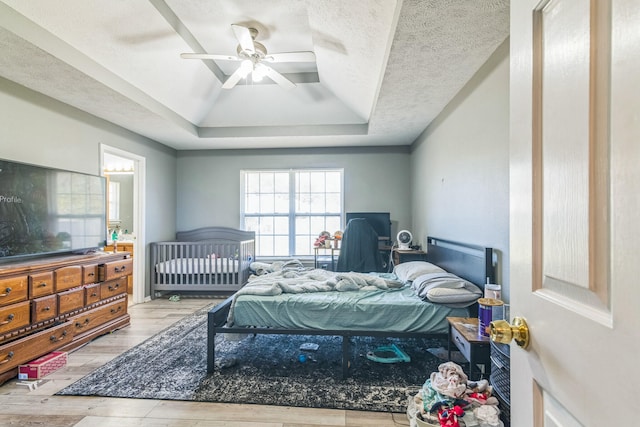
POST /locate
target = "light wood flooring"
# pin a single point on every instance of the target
(22, 406)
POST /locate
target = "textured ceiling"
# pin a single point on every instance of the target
(384, 68)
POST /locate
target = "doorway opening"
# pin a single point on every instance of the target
(125, 174)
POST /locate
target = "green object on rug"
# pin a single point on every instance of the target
(262, 369)
(388, 354)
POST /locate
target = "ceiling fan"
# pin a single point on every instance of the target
(252, 56)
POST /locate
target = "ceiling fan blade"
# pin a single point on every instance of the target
(238, 75)
(277, 77)
(243, 34)
(291, 57)
(208, 56)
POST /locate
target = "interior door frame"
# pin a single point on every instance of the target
(139, 197)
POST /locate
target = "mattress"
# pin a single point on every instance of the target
(197, 266)
(397, 310)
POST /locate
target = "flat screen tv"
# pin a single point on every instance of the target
(380, 221)
(46, 211)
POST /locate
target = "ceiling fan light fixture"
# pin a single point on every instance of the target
(258, 73)
(246, 66)
(251, 53)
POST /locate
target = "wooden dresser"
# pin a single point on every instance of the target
(59, 303)
(123, 247)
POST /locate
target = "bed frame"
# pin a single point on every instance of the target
(193, 267)
(471, 262)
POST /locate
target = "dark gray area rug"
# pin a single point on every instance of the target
(262, 369)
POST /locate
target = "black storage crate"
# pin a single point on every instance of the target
(500, 379)
(505, 410)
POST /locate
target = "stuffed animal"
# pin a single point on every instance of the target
(323, 240)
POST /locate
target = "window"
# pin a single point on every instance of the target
(288, 209)
(114, 201)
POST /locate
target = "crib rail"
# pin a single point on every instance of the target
(218, 265)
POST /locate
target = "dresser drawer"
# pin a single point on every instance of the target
(113, 270)
(68, 277)
(33, 346)
(41, 284)
(461, 342)
(98, 316)
(70, 300)
(92, 293)
(44, 308)
(89, 274)
(14, 289)
(15, 316)
(113, 287)
(126, 247)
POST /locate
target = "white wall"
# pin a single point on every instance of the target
(460, 166)
(452, 184)
(39, 130)
(375, 180)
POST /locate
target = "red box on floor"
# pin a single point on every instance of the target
(42, 366)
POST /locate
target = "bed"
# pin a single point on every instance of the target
(384, 310)
(204, 260)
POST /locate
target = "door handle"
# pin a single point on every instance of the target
(501, 331)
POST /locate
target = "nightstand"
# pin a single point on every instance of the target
(406, 255)
(463, 332)
(326, 258)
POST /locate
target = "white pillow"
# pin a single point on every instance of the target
(408, 271)
(460, 297)
(446, 288)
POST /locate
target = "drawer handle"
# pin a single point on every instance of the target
(53, 338)
(459, 340)
(115, 310)
(42, 285)
(82, 325)
(113, 288)
(94, 294)
(46, 308)
(91, 274)
(121, 269)
(8, 358)
(6, 292)
(9, 319)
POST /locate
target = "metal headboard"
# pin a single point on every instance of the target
(471, 262)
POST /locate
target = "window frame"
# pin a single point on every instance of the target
(291, 214)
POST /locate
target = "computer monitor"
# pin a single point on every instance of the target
(380, 221)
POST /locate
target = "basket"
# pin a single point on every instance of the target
(421, 423)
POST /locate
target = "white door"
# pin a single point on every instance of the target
(575, 211)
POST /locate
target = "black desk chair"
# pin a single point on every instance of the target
(359, 248)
